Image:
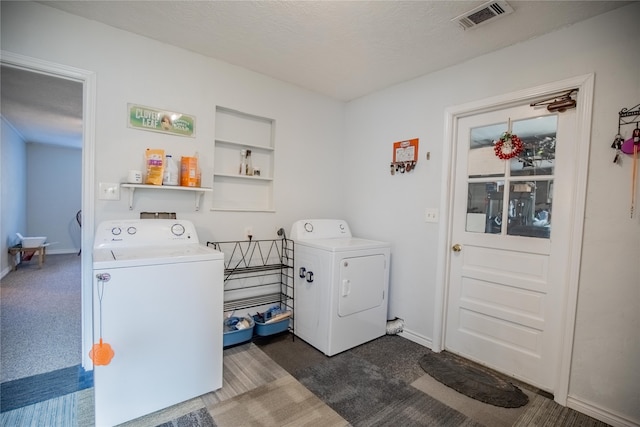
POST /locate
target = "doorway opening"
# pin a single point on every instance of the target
(87, 81)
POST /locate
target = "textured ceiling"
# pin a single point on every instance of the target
(342, 49)
(42, 108)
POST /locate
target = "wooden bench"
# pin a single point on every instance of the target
(41, 251)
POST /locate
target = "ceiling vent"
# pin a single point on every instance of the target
(483, 14)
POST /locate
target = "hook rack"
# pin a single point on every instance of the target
(405, 156)
(633, 112)
(626, 116)
(402, 167)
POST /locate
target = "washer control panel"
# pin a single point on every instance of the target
(144, 232)
(309, 229)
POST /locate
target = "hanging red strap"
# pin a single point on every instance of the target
(634, 173)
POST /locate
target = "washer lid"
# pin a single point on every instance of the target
(140, 256)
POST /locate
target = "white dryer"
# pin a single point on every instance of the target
(341, 285)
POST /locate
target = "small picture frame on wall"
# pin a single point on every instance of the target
(156, 120)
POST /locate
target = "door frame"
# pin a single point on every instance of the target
(585, 86)
(88, 80)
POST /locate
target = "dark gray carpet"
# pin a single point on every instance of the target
(40, 318)
(199, 418)
(364, 395)
(472, 380)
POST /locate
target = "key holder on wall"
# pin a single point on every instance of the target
(405, 156)
(626, 116)
(629, 116)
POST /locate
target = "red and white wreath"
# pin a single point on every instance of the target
(508, 146)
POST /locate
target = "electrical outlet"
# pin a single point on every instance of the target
(431, 215)
(109, 191)
(248, 232)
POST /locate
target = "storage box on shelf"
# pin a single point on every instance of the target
(233, 190)
(259, 273)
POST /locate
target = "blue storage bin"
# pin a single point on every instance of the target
(264, 329)
(238, 336)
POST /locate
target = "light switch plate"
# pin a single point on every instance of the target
(431, 215)
(109, 191)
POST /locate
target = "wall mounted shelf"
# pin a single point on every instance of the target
(199, 191)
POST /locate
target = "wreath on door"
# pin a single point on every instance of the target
(508, 146)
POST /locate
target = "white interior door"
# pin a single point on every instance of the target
(510, 239)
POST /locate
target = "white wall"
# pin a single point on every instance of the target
(605, 379)
(13, 202)
(54, 189)
(133, 69)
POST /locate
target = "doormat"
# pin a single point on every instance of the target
(472, 380)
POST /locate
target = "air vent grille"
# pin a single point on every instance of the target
(483, 14)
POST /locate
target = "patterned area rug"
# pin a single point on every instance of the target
(472, 380)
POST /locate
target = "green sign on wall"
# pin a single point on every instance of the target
(147, 118)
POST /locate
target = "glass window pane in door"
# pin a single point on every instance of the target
(530, 208)
(484, 207)
(538, 137)
(482, 160)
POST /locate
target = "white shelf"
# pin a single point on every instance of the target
(199, 191)
(244, 145)
(230, 175)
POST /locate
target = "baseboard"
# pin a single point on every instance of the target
(5, 271)
(61, 251)
(599, 413)
(416, 338)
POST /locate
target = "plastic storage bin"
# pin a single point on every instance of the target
(233, 337)
(264, 329)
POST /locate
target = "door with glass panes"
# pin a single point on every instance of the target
(510, 238)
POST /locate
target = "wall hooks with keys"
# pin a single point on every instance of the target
(405, 156)
(629, 116)
(402, 167)
(626, 116)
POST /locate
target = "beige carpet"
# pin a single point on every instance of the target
(284, 402)
(256, 391)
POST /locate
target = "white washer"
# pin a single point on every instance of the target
(341, 285)
(158, 297)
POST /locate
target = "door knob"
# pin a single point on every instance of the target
(456, 248)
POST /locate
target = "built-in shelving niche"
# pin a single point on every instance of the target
(236, 131)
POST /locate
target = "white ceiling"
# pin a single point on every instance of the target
(342, 49)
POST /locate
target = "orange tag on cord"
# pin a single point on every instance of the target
(101, 354)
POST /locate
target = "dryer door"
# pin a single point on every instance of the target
(361, 284)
